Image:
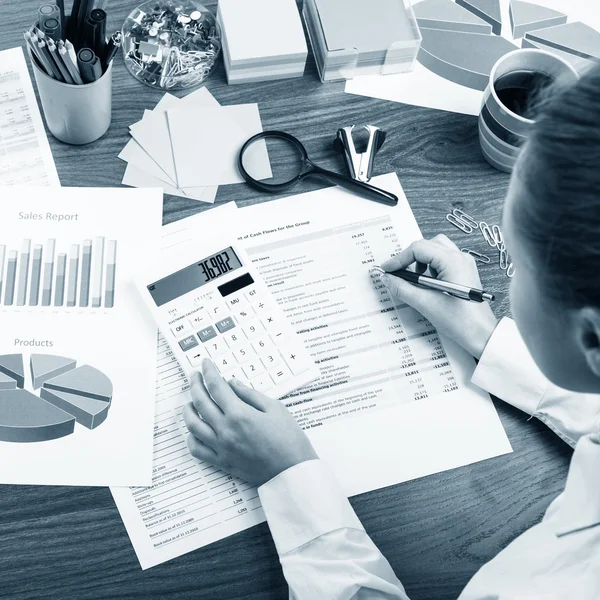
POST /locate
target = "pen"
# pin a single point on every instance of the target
(463, 292)
(89, 65)
(111, 48)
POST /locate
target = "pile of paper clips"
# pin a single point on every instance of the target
(492, 235)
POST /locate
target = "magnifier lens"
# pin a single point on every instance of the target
(286, 160)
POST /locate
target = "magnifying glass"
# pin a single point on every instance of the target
(290, 164)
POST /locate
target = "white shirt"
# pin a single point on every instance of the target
(327, 555)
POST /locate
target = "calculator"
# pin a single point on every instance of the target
(211, 303)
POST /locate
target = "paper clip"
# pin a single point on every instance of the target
(498, 237)
(510, 271)
(503, 259)
(488, 236)
(482, 258)
(459, 223)
(463, 216)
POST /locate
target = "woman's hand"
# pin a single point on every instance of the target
(468, 323)
(241, 430)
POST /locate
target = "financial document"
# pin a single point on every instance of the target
(77, 355)
(394, 401)
(25, 157)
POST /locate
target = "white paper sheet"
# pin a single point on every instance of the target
(206, 144)
(156, 158)
(67, 260)
(424, 88)
(394, 402)
(25, 156)
(136, 177)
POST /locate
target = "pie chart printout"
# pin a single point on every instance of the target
(462, 41)
(61, 395)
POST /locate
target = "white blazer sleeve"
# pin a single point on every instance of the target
(507, 370)
(323, 548)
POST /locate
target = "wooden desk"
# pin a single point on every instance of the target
(70, 543)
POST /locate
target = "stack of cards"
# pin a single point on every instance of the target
(262, 40)
(190, 146)
(351, 37)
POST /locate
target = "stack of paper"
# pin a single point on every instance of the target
(189, 146)
(352, 38)
(262, 40)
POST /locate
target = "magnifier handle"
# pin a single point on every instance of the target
(370, 192)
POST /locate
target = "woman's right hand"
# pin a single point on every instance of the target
(469, 324)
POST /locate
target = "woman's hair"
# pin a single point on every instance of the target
(559, 218)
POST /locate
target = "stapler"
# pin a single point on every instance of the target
(360, 164)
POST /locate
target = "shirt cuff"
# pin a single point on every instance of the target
(303, 503)
(507, 370)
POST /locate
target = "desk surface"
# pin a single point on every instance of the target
(70, 543)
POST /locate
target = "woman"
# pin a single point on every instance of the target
(552, 231)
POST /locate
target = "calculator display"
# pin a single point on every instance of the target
(195, 276)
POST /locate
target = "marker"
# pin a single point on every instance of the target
(89, 65)
(97, 21)
(52, 28)
(454, 289)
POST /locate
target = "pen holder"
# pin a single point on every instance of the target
(75, 114)
(519, 81)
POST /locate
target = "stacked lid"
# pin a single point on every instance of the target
(351, 37)
(262, 40)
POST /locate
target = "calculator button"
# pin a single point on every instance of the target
(237, 373)
(243, 353)
(263, 344)
(253, 368)
(253, 329)
(280, 374)
(181, 329)
(195, 358)
(252, 295)
(237, 302)
(245, 314)
(217, 310)
(226, 362)
(271, 359)
(297, 361)
(234, 338)
(270, 321)
(200, 320)
(216, 347)
(262, 383)
(188, 343)
(225, 324)
(208, 333)
(261, 307)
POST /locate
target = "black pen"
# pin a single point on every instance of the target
(114, 43)
(463, 292)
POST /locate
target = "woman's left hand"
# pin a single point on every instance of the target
(241, 430)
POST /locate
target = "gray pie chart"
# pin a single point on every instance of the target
(68, 394)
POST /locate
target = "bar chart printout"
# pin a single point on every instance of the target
(59, 276)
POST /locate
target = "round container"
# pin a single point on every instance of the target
(75, 114)
(171, 45)
(502, 132)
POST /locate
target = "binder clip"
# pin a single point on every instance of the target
(360, 164)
